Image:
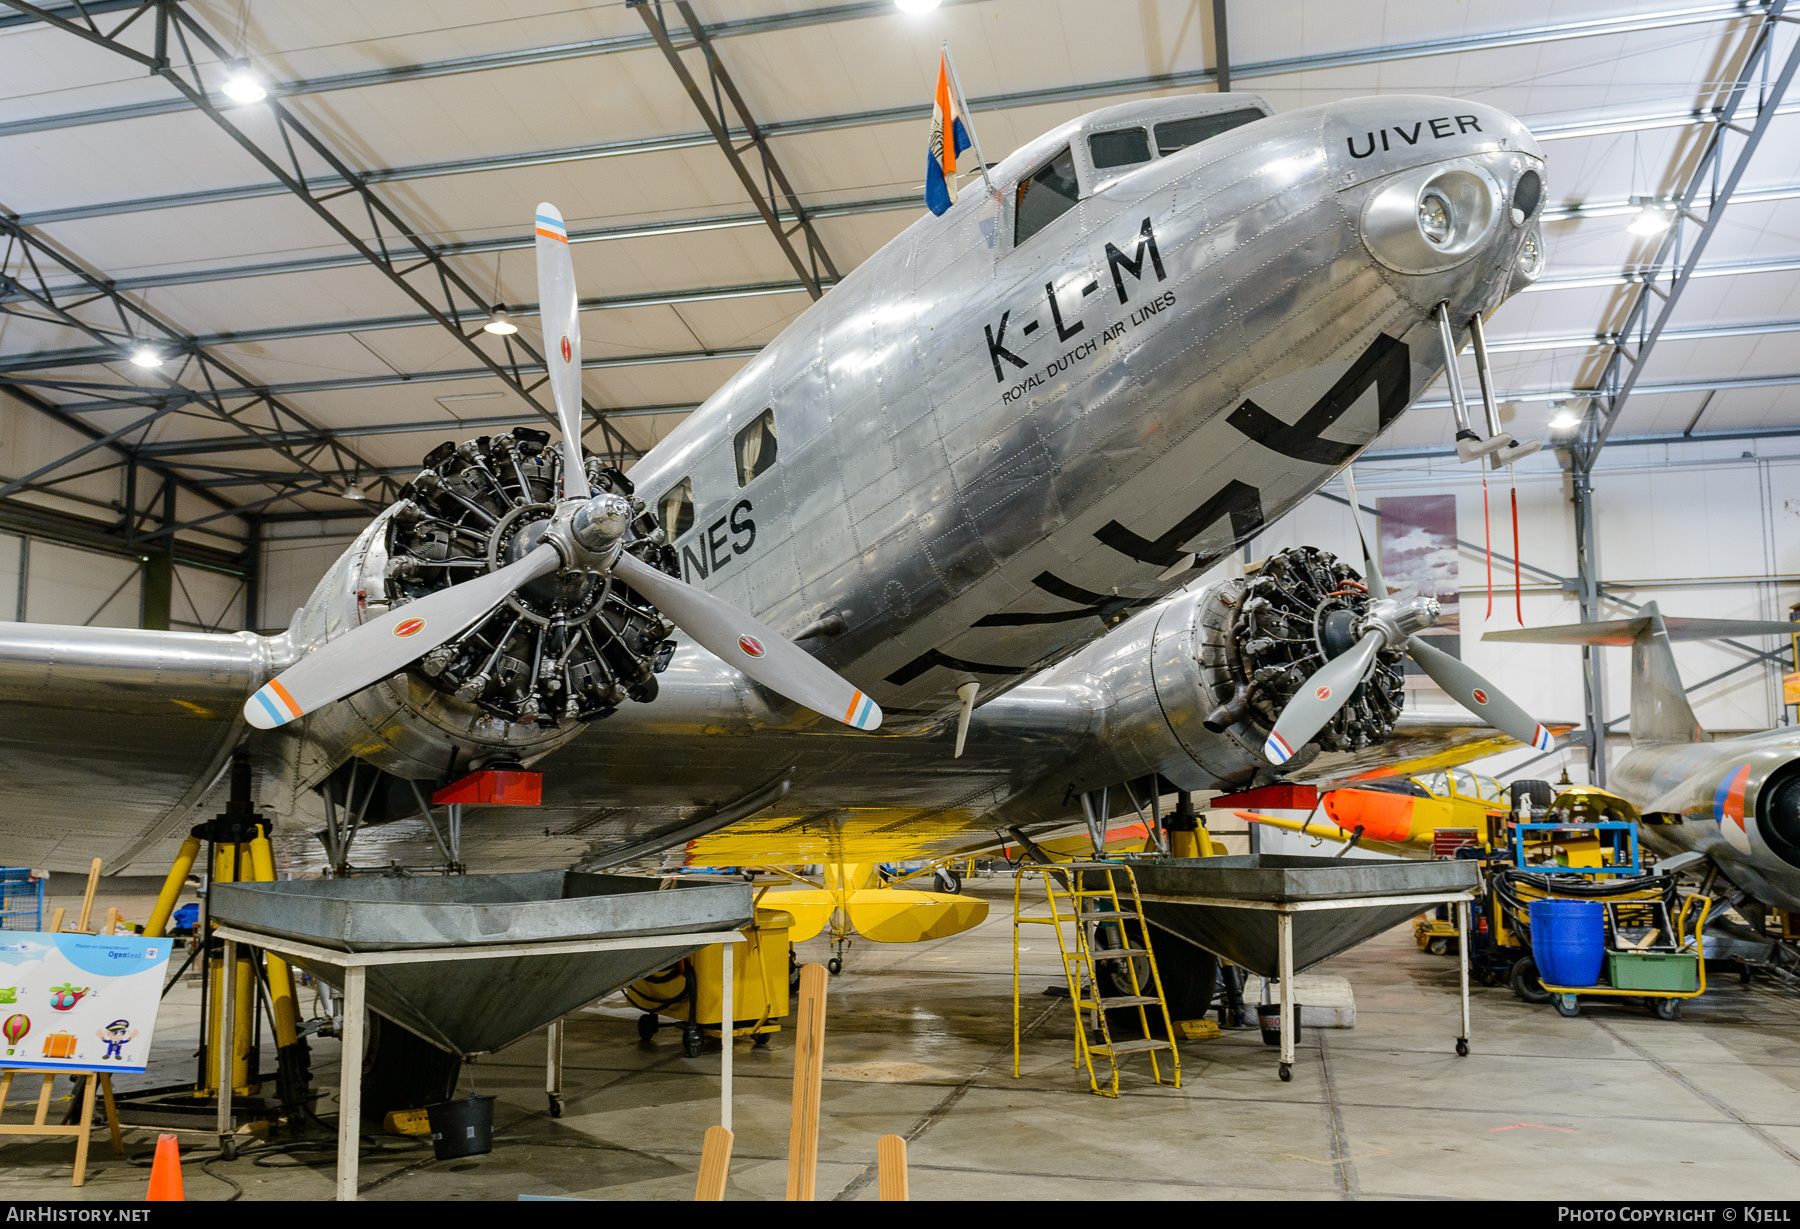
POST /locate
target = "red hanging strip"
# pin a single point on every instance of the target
(1487, 543)
(1518, 563)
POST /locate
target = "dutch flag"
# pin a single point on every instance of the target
(940, 158)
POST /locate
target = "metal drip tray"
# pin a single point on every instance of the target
(1230, 905)
(472, 1006)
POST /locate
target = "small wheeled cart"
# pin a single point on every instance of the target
(690, 991)
(1661, 974)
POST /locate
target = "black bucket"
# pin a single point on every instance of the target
(461, 1128)
(1269, 1016)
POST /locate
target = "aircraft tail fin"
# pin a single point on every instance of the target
(1660, 712)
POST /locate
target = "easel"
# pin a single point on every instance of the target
(82, 1129)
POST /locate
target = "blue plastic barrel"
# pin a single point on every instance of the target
(1568, 941)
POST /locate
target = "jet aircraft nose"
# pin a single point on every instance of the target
(1445, 194)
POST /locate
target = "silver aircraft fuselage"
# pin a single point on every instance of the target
(993, 443)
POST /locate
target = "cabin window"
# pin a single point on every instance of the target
(1122, 148)
(1044, 196)
(678, 509)
(756, 447)
(1176, 134)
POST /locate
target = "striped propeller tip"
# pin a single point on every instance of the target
(271, 706)
(863, 713)
(1276, 749)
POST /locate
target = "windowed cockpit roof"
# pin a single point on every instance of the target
(1145, 113)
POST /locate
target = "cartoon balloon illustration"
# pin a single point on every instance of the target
(15, 1028)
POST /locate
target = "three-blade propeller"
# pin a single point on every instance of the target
(587, 530)
(1391, 624)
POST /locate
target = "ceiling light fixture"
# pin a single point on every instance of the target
(916, 6)
(499, 323)
(242, 86)
(146, 356)
(354, 490)
(1651, 219)
(1562, 417)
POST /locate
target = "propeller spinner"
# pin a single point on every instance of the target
(578, 542)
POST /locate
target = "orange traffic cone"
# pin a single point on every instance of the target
(165, 1171)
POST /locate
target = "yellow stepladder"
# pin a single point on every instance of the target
(1092, 913)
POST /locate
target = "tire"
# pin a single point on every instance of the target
(1666, 1009)
(1439, 946)
(1525, 983)
(647, 1026)
(834, 966)
(402, 1070)
(1189, 974)
(946, 880)
(1567, 1005)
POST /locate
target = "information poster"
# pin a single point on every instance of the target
(85, 1002)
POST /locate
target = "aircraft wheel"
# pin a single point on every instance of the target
(1567, 1005)
(947, 880)
(835, 965)
(647, 1026)
(1525, 983)
(1666, 1009)
(691, 1040)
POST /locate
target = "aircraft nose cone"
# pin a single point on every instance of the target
(1443, 191)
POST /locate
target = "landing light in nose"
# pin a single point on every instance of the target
(1434, 218)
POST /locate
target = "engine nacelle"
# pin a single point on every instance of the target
(561, 652)
(1191, 690)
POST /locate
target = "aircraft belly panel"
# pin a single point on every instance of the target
(85, 783)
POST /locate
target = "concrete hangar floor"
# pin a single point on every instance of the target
(1610, 1105)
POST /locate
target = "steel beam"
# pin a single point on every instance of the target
(713, 112)
(121, 396)
(451, 67)
(1546, 129)
(218, 444)
(462, 308)
(1446, 451)
(137, 323)
(1528, 36)
(1715, 178)
(46, 359)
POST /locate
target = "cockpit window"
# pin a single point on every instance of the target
(678, 509)
(1122, 148)
(756, 447)
(1177, 134)
(1044, 196)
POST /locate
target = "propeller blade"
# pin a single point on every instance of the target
(1320, 697)
(1478, 695)
(562, 340)
(380, 647)
(751, 646)
(1371, 566)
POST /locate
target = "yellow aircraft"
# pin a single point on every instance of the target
(1401, 815)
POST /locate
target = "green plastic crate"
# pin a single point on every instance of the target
(1677, 971)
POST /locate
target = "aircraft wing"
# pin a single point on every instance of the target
(1420, 743)
(98, 756)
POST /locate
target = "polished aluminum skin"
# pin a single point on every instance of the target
(990, 450)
